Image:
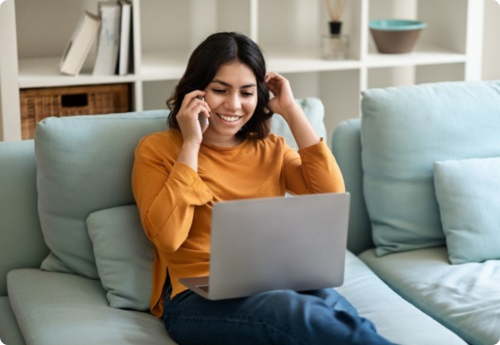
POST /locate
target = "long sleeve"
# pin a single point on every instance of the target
(166, 193)
(176, 202)
(312, 170)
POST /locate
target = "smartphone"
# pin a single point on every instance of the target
(202, 119)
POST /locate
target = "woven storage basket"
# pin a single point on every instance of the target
(37, 104)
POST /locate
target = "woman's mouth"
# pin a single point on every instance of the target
(229, 118)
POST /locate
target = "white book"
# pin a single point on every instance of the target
(109, 39)
(125, 35)
(79, 46)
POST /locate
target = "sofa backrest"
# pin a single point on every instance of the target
(405, 131)
(21, 240)
(346, 146)
(84, 164)
(388, 158)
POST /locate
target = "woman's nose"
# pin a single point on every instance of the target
(233, 102)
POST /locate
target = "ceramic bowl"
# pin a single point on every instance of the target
(395, 36)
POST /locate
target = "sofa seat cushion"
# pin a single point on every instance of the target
(464, 298)
(395, 318)
(59, 308)
(9, 330)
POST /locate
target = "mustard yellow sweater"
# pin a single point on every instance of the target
(175, 202)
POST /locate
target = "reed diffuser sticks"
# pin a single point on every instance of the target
(335, 11)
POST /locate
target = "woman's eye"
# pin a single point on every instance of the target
(219, 91)
(247, 94)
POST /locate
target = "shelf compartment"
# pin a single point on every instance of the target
(167, 65)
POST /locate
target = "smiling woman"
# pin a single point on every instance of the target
(232, 98)
(181, 173)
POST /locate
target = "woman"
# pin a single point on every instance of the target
(179, 174)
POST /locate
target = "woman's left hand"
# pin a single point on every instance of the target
(283, 102)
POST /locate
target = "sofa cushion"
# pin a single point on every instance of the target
(124, 256)
(465, 298)
(84, 164)
(57, 308)
(9, 330)
(395, 318)
(468, 192)
(404, 131)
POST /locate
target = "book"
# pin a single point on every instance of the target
(109, 39)
(125, 37)
(81, 41)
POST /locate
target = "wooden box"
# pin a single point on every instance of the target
(37, 104)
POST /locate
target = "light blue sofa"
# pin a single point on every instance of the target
(75, 265)
(423, 169)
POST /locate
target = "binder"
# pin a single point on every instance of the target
(109, 39)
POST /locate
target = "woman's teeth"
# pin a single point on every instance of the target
(229, 118)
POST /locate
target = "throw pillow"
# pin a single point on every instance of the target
(468, 193)
(123, 255)
(404, 130)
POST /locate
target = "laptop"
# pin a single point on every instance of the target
(264, 244)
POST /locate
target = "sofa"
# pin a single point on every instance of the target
(75, 265)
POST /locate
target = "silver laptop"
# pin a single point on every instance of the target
(264, 244)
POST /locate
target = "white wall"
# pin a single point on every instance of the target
(491, 42)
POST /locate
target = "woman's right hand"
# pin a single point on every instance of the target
(187, 117)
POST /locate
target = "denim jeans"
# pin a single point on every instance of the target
(275, 317)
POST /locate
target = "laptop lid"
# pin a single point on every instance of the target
(263, 244)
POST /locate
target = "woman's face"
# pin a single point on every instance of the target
(232, 97)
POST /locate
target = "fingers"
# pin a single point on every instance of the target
(194, 103)
(275, 82)
(270, 75)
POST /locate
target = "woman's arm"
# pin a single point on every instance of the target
(314, 168)
(167, 193)
(167, 188)
(284, 104)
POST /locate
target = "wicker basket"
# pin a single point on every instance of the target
(37, 104)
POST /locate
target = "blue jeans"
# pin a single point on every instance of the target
(275, 317)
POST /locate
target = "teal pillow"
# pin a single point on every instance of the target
(84, 163)
(124, 256)
(404, 130)
(468, 192)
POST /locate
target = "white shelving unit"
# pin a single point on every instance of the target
(33, 35)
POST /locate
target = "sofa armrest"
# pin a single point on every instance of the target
(21, 239)
(346, 146)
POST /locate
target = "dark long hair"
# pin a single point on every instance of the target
(216, 50)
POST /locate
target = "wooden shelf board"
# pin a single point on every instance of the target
(44, 72)
(422, 54)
